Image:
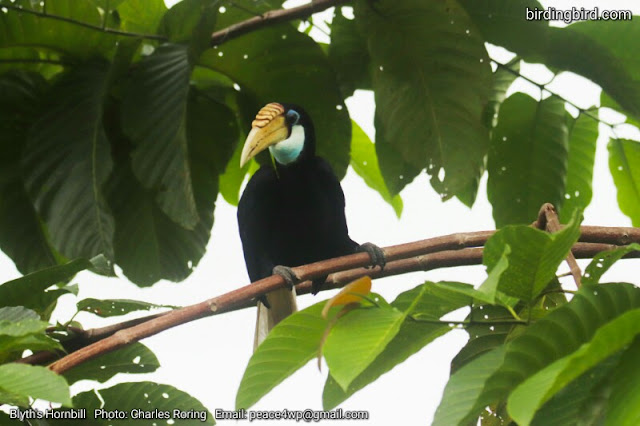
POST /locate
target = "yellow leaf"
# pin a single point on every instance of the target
(351, 293)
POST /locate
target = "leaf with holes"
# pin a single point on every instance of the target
(418, 49)
(429, 301)
(143, 396)
(132, 359)
(602, 262)
(624, 164)
(291, 344)
(583, 134)
(115, 307)
(528, 159)
(365, 163)
(66, 162)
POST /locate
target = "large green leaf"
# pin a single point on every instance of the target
(60, 36)
(349, 55)
(624, 164)
(280, 64)
(429, 301)
(527, 159)
(154, 112)
(465, 387)
(19, 321)
(529, 396)
(66, 162)
(533, 259)
(22, 236)
(191, 21)
(22, 380)
(563, 332)
(583, 134)
(600, 50)
(419, 50)
(290, 345)
(365, 163)
(132, 359)
(357, 339)
(581, 402)
(145, 396)
(623, 407)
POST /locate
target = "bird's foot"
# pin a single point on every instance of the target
(290, 277)
(375, 253)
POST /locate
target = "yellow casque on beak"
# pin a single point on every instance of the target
(268, 128)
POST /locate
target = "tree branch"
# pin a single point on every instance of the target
(271, 18)
(446, 251)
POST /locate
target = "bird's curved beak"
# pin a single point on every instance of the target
(267, 129)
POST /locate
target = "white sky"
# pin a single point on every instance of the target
(207, 358)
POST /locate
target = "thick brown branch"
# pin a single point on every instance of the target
(446, 251)
(271, 18)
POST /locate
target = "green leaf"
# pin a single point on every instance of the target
(528, 158)
(290, 345)
(143, 396)
(295, 70)
(365, 163)
(624, 164)
(563, 331)
(348, 55)
(357, 339)
(232, 178)
(132, 359)
(418, 50)
(529, 396)
(583, 134)
(142, 16)
(22, 380)
(22, 236)
(583, 401)
(489, 288)
(115, 307)
(66, 162)
(430, 301)
(154, 114)
(533, 260)
(12, 347)
(19, 321)
(191, 21)
(27, 290)
(623, 407)
(603, 261)
(599, 50)
(502, 80)
(465, 387)
(55, 35)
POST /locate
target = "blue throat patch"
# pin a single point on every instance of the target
(288, 150)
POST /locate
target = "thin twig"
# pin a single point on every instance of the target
(446, 251)
(272, 17)
(548, 220)
(83, 24)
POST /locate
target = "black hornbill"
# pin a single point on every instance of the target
(291, 213)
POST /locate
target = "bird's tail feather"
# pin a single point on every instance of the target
(283, 303)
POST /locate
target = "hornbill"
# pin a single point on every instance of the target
(291, 212)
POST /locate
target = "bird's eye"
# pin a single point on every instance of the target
(292, 117)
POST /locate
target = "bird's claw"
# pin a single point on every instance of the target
(290, 277)
(375, 253)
